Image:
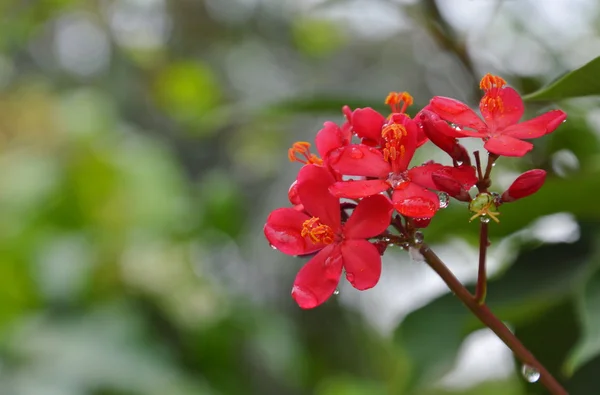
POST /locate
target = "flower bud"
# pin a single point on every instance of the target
(452, 187)
(526, 184)
(440, 134)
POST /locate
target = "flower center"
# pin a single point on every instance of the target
(393, 134)
(318, 232)
(399, 101)
(300, 152)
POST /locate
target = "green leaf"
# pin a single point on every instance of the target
(583, 81)
(588, 346)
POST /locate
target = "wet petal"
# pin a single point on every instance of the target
(456, 112)
(283, 231)
(359, 160)
(313, 191)
(507, 146)
(526, 184)
(370, 218)
(415, 201)
(536, 127)
(367, 123)
(511, 112)
(421, 175)
(329, 138)
(409, 141)
(318, 278)
(354, 189)
(362, 263)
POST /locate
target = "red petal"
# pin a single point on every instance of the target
(421, 222)
(293, 193)
(526, 184)
(283, 228)
(354, 189)
(359, 160)
(456, 112)
(328, 138)
(367, 123)
(313, 190)
(452, 187)
(465, 174)
(507, 146)
(421, 175)
(409, 141)
(415, 201)
(536, 127)
(318, 278)
(362, 263)
(370, 218)
(511, 113)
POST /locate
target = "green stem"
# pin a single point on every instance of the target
(483, 313)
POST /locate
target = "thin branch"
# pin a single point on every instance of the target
(481, 288)
(484, 314)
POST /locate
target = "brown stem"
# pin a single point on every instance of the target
(478, 165)
(484, 314)
(481, 288)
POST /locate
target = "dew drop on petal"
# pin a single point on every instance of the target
(444, 199)
(419, 237)
(530, 373)
(336, 292)
(356, 153)
(397, 179)
(350, 277)
(305, 298)
(272, 246)
(485, 219)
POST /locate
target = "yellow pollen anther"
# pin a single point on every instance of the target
(317, 232)
(394, 99)
(394, 131)
(485, 211)
(490, 81)
(302, 149)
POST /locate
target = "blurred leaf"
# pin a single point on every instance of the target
(315, 37)
(580, 82)
(345, 385)
(588, 303)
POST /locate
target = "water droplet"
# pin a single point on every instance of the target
(336, 292)
(497, 198)
(415, 254)
(459, 162)
(272, 246)
(494, 164)
(397, 179)
(419, 237)
(444, 199)
(350, 278)
(356, 153)
(485, 219)
(530, 373)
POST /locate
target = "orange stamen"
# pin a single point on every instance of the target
(394, 99)
(302, 149)
(490, 81)
(393, 135)
(318, 232)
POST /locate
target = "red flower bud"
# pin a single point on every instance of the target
(452, 187)
(439, 132)
(421, 222)
(526, 184)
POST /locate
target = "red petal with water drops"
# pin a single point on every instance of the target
(507, 146)
(456, 112)
(318, 278)
(421, 175)
(362, 263)
(313, 190)
(510, 112)
(465, 174)
(526, 184)
(283, 228)
(367, 123)
(415, 201)
(536, 127)
(293, 193)
(355, 189)
(329, 138)
(370, 218)
(359, 160)
(421, 222)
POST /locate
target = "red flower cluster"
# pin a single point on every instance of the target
(366, 163)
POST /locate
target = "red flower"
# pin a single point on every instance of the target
(341, 245)
(526, 184)
(501, 108)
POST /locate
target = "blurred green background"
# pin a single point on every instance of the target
(143, 143)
